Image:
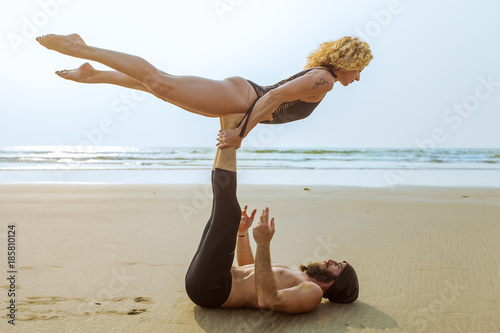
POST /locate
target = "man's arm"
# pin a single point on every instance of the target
(244, 252)
(313, 84)
(243, 249)
(301, 298)
(265, 283)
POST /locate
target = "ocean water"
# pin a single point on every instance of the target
(359, 167)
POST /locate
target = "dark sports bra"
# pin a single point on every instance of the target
(287, 111)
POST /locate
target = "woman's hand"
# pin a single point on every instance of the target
(246, 221)
(229, 138)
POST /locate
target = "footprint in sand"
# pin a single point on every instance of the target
(145, 300)
(136, 311)
(49, 308)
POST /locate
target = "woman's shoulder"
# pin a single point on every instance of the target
(319, 69)
(311, 71)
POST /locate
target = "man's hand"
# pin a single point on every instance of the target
(264, 231)
(229, 138)
(246, 221)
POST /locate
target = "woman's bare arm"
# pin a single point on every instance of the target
(313, 85)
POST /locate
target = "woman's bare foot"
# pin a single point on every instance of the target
(82, 74)
(60, 43)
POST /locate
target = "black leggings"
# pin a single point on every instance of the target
(208, 279)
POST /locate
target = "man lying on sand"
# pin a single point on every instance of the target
(212, 281)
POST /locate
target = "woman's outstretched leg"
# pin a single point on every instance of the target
(88, 74)
(204, 96)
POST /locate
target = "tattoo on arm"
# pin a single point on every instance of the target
(320, 83)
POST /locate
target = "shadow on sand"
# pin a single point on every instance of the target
(327, 317)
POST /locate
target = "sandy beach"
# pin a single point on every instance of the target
(112, 258)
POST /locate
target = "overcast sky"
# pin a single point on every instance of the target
(434, 79)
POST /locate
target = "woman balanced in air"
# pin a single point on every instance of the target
(288, 100)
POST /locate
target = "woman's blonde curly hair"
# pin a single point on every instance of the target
(346, 54)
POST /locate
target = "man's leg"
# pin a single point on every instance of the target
(208, 280)
(226, 158)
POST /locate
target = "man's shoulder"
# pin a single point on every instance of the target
(303, 297)
(310, 287)
(304, 289)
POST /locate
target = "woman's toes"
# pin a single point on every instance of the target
(81, 74)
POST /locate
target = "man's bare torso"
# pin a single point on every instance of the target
(243, 291)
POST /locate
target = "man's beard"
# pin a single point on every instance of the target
(315, 271)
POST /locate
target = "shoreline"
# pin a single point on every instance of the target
(384, 178)
(244, 185)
